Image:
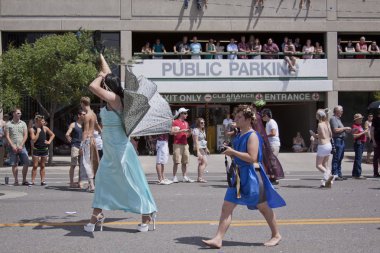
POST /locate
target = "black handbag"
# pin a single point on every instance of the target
(231, 171)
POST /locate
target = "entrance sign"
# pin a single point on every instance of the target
(244, 97)
(237, 68)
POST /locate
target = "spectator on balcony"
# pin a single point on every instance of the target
(374, 50)
(196, 49)
(243, 47)
(339, 48)
(272, 49)
(349, 49)
(219, 49)
(146, 50)
(232, 48)
(210, 48)
(256, 49)
(297, 45)
(286, 39)
(182, 47)
(158, 47)
(290, 59)
(308, 50)
(361, 47)
(318, 49)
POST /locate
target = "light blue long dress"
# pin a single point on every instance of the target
(249, 181)
(120, 182)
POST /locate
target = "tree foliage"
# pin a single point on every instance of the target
(57, 68)
(55, 71)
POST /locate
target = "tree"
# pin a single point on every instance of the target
(57, 68)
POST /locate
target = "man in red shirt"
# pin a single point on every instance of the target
(359, 141)
(181, 154)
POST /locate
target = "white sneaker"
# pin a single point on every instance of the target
(175, 179)
(187, 180)
(323, 183)
(167, 181)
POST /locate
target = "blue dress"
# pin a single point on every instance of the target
(120, 182)
(249, 181)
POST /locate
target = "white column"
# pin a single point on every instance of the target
(125, 50)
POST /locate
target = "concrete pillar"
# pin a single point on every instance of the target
(126, 9)
(125, 50)
(332, 99)
(332, 68)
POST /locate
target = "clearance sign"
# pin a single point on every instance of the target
(244, 97)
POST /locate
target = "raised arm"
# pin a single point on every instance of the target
(104, 65)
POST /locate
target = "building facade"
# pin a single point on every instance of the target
(213, 87)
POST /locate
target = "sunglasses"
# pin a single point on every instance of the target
(202, 122)
(184, 113)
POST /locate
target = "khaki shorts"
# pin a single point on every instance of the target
(74, 156)
(181, 153)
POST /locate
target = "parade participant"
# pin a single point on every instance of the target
(253, 188)
(271, 163)
(88, 150)
(16, 133)
(120, 181)
(40, 146)
(200, 143)
(75, 129)
(324, 135)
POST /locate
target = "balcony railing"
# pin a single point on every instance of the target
(142, 55)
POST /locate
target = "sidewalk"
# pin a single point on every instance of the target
(291, 162)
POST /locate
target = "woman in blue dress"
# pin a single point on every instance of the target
(120, 180)
(253, 188)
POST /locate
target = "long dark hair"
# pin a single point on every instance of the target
(114, 84)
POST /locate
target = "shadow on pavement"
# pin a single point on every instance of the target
(302, 187)
(74, 228)
(197, 240)
(64, 188)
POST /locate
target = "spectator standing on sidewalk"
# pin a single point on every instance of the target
(38, 136)
(375, 134)
(339, 134)
(200, 143)
(16, 133)
(181, 153)
(369, 142)
(360, 139)
(272, 131)
(2, 143)
(74, 137)
(162, 149)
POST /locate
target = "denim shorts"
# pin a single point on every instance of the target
(21, 156)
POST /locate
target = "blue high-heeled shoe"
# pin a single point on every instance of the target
(144, 227)
(90, 227)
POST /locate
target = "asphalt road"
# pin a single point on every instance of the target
(345, 218)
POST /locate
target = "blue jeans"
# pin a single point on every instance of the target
(357, 168)
(20, 156)
(336, 166)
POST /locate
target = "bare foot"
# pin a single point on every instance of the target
(214, 244)
(273, 241)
